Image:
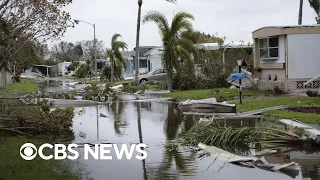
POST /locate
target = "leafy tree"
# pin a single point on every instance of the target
(67, 52)
(117, 60)
(175, 46)
(23, 23)
(82, 71)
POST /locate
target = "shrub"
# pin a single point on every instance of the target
(133, 89)
(82, 71)
(38, 119)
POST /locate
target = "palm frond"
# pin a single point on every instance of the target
(114, 39)
(315, 5)
(237, 136)
(181, 22)
(160, 20)
(183, 52)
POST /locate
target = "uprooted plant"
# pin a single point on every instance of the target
(36, 119)
(94, 92)
(243, 137)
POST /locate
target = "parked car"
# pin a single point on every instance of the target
(156, 75)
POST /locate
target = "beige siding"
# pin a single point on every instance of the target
(279, 72)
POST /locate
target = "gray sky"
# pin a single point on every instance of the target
(231, 18)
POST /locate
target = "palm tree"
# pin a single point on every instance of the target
(117, 60)
(117, 109)
(300, 12)
(138, 39)
(314, 4)
(175, 47)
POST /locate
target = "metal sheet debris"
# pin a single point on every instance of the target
(309, 132)
(207, 106)
(251, 161)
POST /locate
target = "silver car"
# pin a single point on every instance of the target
(156, 75)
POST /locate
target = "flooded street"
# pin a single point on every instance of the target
(157, 124)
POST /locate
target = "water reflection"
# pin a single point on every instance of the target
(138, 105)
(116, 108)
(158, 125)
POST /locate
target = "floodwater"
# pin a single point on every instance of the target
(157, 124)
(58, 86)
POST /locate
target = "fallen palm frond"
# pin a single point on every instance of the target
(239, 138)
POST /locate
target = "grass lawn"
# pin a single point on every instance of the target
(250, 105)
(209, 93)
(14, 167)
(26, 85)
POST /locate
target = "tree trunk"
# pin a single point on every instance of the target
(8, 78)
(169, 81)
(136, 62)
(145, 177)
(300, 12)
(2, 78)
(112, 70)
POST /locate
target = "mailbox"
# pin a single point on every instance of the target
(237, 76)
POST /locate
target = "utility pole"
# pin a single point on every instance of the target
(240, 86)
(95, 50)
(136, 62)
(94, 44)
(300, 12)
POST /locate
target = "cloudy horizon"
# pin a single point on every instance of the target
(231, 19)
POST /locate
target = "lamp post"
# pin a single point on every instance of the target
(94, 44)
(241, 63)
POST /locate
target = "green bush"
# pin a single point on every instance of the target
(133, 89)
(38, 119)
(82, 71)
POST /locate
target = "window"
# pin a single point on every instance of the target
(269, 48)
(143, 63)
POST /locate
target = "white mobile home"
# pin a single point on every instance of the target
(287, 56)
(63, 68)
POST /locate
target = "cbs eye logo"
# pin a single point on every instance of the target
(28, 151)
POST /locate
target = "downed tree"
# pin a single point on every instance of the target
(241, 139)
(36, 119)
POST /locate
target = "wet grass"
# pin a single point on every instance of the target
(25, 86)
(210, 93)
(250, 105)
(14, 167)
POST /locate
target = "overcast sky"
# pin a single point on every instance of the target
(234, 19)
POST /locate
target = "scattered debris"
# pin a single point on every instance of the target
(67, 102)
(207, 106)
(310, 133)
(251, 161)
(155, 92)
(102, 115)
(261, 111)
(117, 88)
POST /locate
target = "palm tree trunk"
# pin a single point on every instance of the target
(300, 12)
(136, 62)
(145, 176)
(112, 69)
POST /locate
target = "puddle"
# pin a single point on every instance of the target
(156, 124)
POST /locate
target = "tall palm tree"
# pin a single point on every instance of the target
(136, 62)
(117, 60)
(314, 4)
(117, 109)
(175, 47)
(300, 12)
